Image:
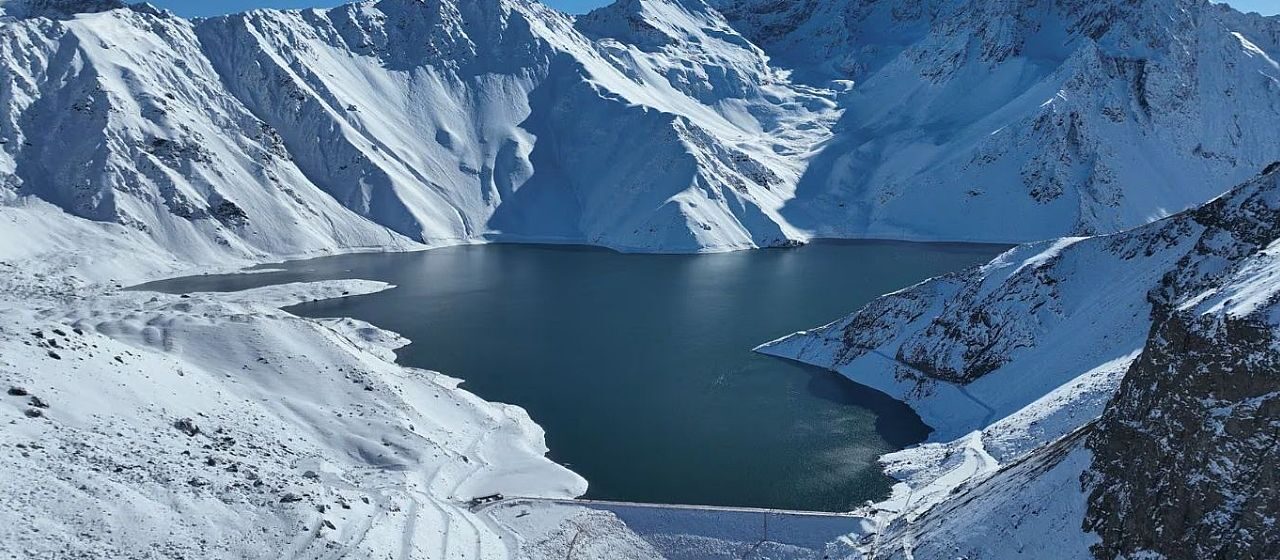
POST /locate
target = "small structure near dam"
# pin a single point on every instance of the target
(681, 532)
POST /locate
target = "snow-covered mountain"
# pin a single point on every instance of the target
(400, 121)
(134, 144)
(451, 121)
(1124, 384)
(647, 125)
(1022, 120)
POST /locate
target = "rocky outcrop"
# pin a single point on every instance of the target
(59, 9)
(961, 327)
(1184, 456)
(1176, 464)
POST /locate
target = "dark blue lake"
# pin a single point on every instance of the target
(639, 367)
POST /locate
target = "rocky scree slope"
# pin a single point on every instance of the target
(1170, 327)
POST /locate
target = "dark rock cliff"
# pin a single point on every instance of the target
(1185, 455)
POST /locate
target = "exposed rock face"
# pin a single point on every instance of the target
(1185, 454)
(1182, 455)
(963, 326)
(57, 8)
(1184, 458)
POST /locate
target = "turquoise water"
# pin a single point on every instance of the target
(639, 367)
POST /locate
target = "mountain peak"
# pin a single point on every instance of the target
(650, 24)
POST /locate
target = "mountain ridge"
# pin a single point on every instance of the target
(730, 146)
(1149, 346)
(191, 162)
(1036, 119)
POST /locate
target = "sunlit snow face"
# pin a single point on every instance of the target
(203, 8)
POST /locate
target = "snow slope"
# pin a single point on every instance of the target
(394, 122)
(215, 425)
(646, 125)
(1016, 121)
(499, 118)
(1163, 335)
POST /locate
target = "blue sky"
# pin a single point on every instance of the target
(1266, 7)
(193, 8)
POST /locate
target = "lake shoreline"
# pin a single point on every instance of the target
(744, 289)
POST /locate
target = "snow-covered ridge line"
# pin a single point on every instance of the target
(1153, 330)
(997, 121)
(399, 122)
(60, 9)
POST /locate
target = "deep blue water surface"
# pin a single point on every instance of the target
(639, 367)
